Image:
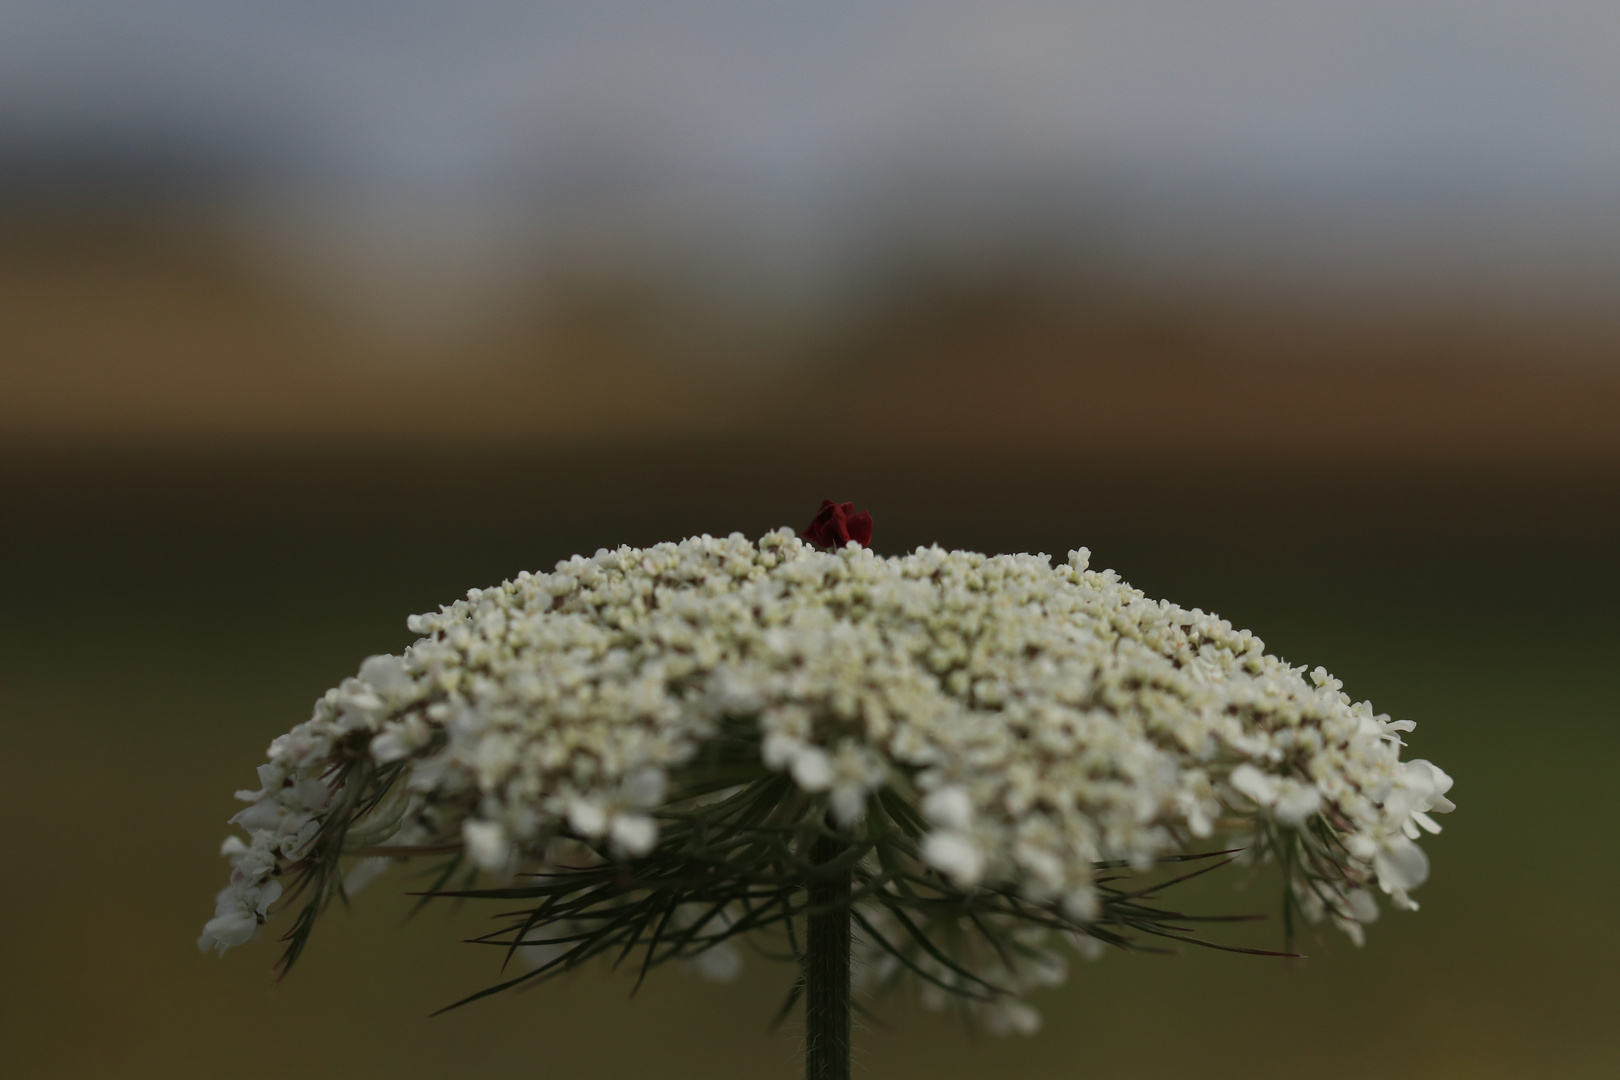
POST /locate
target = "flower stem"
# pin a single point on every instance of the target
(826, 969)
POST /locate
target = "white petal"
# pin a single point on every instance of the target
(721, 963)
(954, 855)
(1401, 866)
(812, 769)
(1296, 806)
(364, 873)
(391, 745)
(543, 953)
(1442, 781)
(385, 674)
(487, 845)
(1363, 907)
(645, 787)
(587, 817)
(226, 931)
(848, 804)
(1250, 781)
(949, 807)
(269, 893)
(262, 815)
(1012, 1017)
(634, 834)
(1087, 946)
(779, 749)
(1082, 905)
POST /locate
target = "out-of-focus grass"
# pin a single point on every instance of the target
(163, 620)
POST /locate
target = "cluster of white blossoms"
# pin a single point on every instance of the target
(1042, 719)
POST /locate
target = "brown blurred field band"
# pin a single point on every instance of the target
(117, 331)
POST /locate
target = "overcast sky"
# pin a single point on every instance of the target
(1485, 112)
(811, 93)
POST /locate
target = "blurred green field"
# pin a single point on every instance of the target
(165, 615)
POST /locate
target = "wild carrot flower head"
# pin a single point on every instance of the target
(644, 742)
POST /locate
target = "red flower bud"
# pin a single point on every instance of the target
(836, 524)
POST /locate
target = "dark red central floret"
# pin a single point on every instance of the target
(836, 524)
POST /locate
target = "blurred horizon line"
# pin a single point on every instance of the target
(414, 266)
(123, 326)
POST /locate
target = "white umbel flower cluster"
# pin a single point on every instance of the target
(1041, 718)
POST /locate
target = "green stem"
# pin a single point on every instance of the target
(826, 969)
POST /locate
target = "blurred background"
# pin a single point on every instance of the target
(315, 315)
